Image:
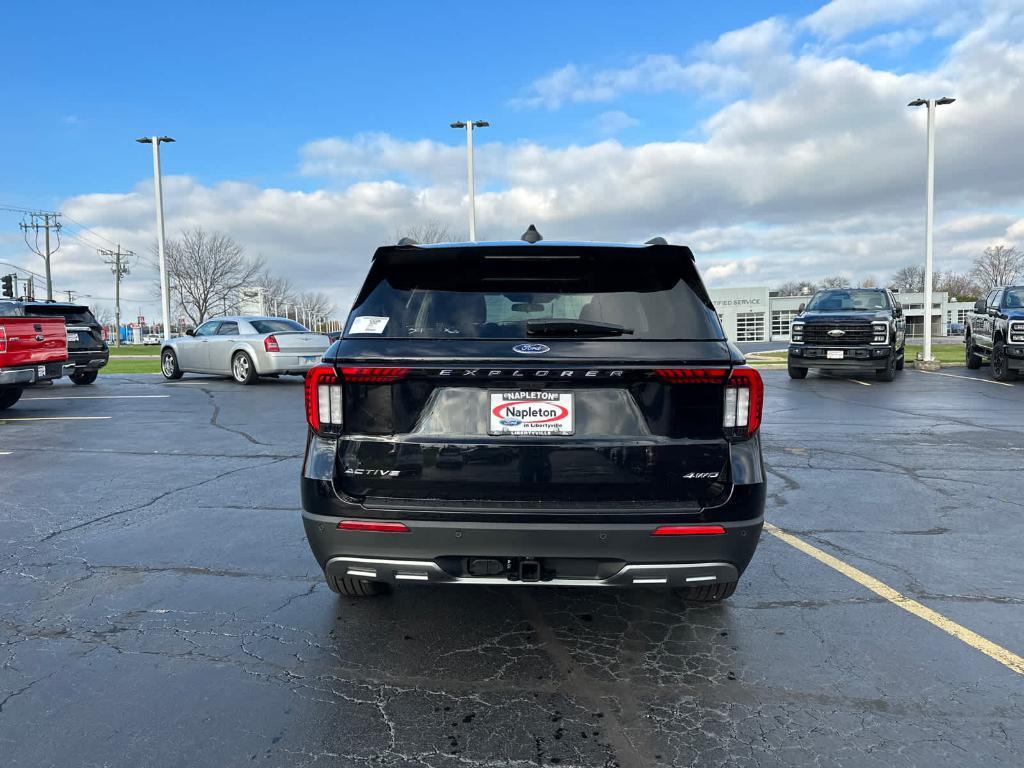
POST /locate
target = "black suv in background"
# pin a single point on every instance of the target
(849, 329)
(86, 347)
(533, 413)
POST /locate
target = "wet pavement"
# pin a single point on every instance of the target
(159, 605)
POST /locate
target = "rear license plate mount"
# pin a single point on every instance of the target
(525, 413)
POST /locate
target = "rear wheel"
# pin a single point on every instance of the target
(242, 369)
(1001, 370)
(169, 365)
(9, 397)
(972, 358)
(797, 373)
(355, 587)
(83, 377)
(708, 593)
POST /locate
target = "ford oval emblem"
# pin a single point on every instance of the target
(531, 349)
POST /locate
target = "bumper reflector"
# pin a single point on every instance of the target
(373, 525)
(688, 530)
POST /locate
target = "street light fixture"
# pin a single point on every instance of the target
(929, 217)
(469, 125)
(165, 292)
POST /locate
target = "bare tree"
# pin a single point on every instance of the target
(910, 278)
(206, 271)
(997, 265)
(835, 281)
(797, 288)
(868, 282)
(316, 304)
(429, 231)
(102, 313)
(278, 292)
(960, 286)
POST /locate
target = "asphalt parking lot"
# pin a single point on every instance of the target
(159, 605)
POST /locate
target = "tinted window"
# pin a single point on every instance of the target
(494, 295)
(1014, 298)
(279, 325)
(849, 299)
(208, 329)
(71, 315)
(10, 309)
(228, 328)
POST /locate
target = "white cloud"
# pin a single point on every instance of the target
(614, 121)
(841, 18)
(818, 169)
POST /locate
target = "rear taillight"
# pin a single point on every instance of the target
(270, 344)
(374, 526)
(3, 339)
(323, 400)
(691, 375)
(373, 375)
(744, 399)
(689, 530)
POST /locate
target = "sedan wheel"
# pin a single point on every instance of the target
(169, 365)
(242, 369)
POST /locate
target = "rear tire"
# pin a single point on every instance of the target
(9, 397)
(242, 369)
(972, 358)
(708, 593)
(343, 585)
(83, 377)
(1001, 370)
(797, 373)
(169, 365)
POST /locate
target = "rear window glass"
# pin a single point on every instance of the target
(71, 315)
(621, 294)
(276, 326)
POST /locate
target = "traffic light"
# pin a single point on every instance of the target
(8, 284)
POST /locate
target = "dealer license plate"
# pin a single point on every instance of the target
(834, 354)
(72, 337)
(531, 413)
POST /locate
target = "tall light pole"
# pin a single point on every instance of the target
(469, 125)
(165, 293)
(929, 218)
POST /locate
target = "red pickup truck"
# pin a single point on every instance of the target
(31, 349)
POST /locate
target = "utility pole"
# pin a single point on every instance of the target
(117, 260)
(71, 296)
(44, 220)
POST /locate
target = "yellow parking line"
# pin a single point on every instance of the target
(52, 418)
(1005, 657)
(969, 378)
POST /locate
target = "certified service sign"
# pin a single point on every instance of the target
(531, 349)
(531, 413)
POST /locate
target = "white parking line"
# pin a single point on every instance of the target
(96, 397)
(969, 378)
(52, 418)
(6, 453)
(862, 383)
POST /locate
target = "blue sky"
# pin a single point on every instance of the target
(772, 137)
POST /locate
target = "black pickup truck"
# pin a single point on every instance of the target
(996, 330)
(534, 413)
(849, 329)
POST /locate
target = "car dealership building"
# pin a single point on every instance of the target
(758, 314)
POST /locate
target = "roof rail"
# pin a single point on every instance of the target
(408, 241)
(657, 241)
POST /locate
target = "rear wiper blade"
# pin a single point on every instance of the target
(574, 328)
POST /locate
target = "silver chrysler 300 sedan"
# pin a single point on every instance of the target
(244, 348)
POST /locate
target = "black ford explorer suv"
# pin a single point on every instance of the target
(849, 329)
(533, 413)
(996, 330)
(87, 350)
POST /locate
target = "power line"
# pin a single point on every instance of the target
(50, 220)
(93, 231)
(118, 263)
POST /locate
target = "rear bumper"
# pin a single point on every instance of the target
(23, 376)
(88, 359)
(281, 363)
(855, 358)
